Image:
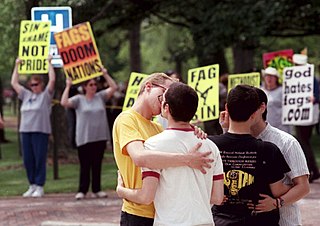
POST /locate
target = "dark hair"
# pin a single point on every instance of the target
(182, 101)
(262, 99)
(242, 102)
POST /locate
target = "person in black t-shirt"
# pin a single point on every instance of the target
(251, 166)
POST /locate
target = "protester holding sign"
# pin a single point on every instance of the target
(35, 126)
(273, 89)
(304, 132)
(91, 131)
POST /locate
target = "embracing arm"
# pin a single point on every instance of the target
(295, 193)
(112, 84)
(52, 76)
(15, 77)
(217, 192)
(144, 195)
(160, 160)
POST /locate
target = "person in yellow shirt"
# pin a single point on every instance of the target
(131, 128)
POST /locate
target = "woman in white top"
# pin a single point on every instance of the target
(91, 131)
(273, 89)
(35, 126)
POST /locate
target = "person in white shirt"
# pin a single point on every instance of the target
(181, 195)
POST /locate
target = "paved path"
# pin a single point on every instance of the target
(64, 210)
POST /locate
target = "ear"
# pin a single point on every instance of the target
(148, 86)
(263, 107)
(226, 107)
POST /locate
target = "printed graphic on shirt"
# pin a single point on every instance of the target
(239, 167)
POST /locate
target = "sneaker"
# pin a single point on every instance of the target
(80, 195)
(100, 194)
(31, 189)
(38, 192)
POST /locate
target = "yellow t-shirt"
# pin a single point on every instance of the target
(131, 126)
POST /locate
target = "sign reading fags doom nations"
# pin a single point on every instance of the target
(34, 47)
(79, 53)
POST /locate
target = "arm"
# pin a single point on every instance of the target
(1, 122)
(298, 191)
(217, 192)
(15, 77)
(65, 96)
(52, 76)
(112, 84)
(145, 195)
(160, 160)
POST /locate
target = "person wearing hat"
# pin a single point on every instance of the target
(304, 132)
(273, 89)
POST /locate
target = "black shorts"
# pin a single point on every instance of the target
(133, 220)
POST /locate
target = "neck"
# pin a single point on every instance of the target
(257, 128)
(239, 127)
(89, 96)
(178, 124)
(271, 87)
(140, 107)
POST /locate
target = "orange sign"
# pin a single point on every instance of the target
(79, 53)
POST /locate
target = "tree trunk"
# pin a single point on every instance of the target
(134, 39)
(243, 58)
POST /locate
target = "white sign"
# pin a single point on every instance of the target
(61, 18)
(297, 97)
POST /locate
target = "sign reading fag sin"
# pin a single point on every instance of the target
(79, 53)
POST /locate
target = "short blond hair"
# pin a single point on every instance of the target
(155, 78)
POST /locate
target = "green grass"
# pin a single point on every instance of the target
(13, 179)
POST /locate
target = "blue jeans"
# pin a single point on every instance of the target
(34, 151)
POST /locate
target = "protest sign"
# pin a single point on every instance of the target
(278, 60)
(205, 81)
(34, 47)
(133, 89)
(79, 53)
(297, 105)
(252, 79)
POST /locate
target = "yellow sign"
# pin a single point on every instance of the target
(133, 89)
(79, 53)
(34, 47)
(205, 81)
(252, 79)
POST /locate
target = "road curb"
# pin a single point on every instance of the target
(61, 223)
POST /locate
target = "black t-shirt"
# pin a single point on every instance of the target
(250, 166)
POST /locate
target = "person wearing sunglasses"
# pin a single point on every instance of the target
(35, 126)
(92, 132)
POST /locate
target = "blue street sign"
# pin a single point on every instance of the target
(61, 18)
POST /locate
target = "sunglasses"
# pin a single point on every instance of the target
(34, 84)
(92, 84)
(161, 86)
